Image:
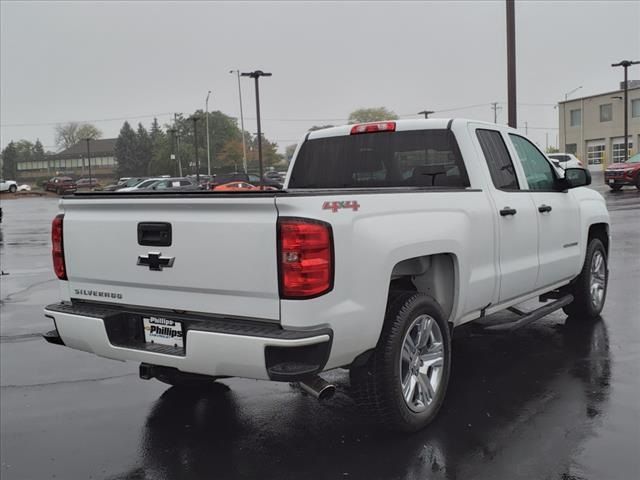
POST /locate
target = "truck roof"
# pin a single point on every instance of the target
(408, 124)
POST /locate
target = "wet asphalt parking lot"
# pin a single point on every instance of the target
(558, 399)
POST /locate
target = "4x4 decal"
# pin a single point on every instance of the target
(335, 206)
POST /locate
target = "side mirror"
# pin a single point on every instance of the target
(577, 177)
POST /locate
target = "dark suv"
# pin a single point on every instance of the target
(61, 185)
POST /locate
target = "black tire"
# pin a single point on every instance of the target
(615, 187)
(638, 181)
(59, 192)
(12, 189)
(583, 304)
(377, 386)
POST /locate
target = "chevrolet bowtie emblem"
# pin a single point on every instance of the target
(155, 261)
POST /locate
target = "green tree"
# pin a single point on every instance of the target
(551, 149)
(125, 151)
(24, 150)
(38, 151)
(144, 149)
(289, 151)
(161, 150)
(9, 162)
(87, 130)
(364, 115)
(71, 133)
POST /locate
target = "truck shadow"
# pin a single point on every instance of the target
(517, 405)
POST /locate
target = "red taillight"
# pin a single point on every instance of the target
(57, 250)
(373, 127)
(305, 258)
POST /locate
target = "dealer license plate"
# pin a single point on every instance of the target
(163, 331)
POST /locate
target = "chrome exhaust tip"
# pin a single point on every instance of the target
(318, 387)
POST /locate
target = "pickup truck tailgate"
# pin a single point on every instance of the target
(223, 251)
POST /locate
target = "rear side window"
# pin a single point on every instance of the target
(498, 159)
(417, 158)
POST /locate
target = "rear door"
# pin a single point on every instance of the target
(221, 258)
(515, 216)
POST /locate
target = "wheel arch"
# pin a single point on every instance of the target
(601, 232)
(436, 275)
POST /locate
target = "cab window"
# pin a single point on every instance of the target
(537, 169)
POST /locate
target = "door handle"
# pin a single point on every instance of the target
(508, 211)
(544, 208)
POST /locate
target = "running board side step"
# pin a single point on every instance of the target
(527, 318)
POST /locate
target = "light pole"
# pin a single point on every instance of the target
(511, 64)
(426, 113)
(195, 144)
(89, 159)
(175, 126)
(256, 76)
(564, 116)
(206, 107)
(626, 64)
(244, 145)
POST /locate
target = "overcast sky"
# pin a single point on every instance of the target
(105, 62)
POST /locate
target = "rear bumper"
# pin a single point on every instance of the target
(213, 346)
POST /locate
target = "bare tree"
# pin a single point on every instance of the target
(71, 133)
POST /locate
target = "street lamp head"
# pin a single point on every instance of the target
(625, 63)
(255, 74)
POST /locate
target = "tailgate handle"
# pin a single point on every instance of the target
(154, 234)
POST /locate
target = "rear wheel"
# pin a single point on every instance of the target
(615, 187)
(403, 384)
(589, 289)
(638, 181)
(12, 188)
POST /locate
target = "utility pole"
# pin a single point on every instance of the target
(511, 64)
(206, 107)
(175, 126)
(89, 159)
(526, 128)
(626, 64)
(495, 107)
(256, 76)
(426, 113)
(195, 145)
(172, 132)
(244, 144)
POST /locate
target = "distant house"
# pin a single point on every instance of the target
(74, 161)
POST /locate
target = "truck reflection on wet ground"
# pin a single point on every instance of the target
(500, 385)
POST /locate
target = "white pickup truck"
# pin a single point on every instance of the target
(386, 237)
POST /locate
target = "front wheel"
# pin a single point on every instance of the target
(403, 384)
(12, 188)
(638, 181)
(589, 289)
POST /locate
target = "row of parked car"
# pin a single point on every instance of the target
(235, 181)
(62, 185)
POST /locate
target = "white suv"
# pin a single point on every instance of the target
(565, 160)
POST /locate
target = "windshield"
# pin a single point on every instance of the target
(634, 159)
(417, 158)
(146, 183)
(132, 182)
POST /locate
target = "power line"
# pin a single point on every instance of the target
(99, 120)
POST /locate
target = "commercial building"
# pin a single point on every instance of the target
(592, 128)
(74, 161)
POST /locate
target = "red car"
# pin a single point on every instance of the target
(61, 185)
(617, 175)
